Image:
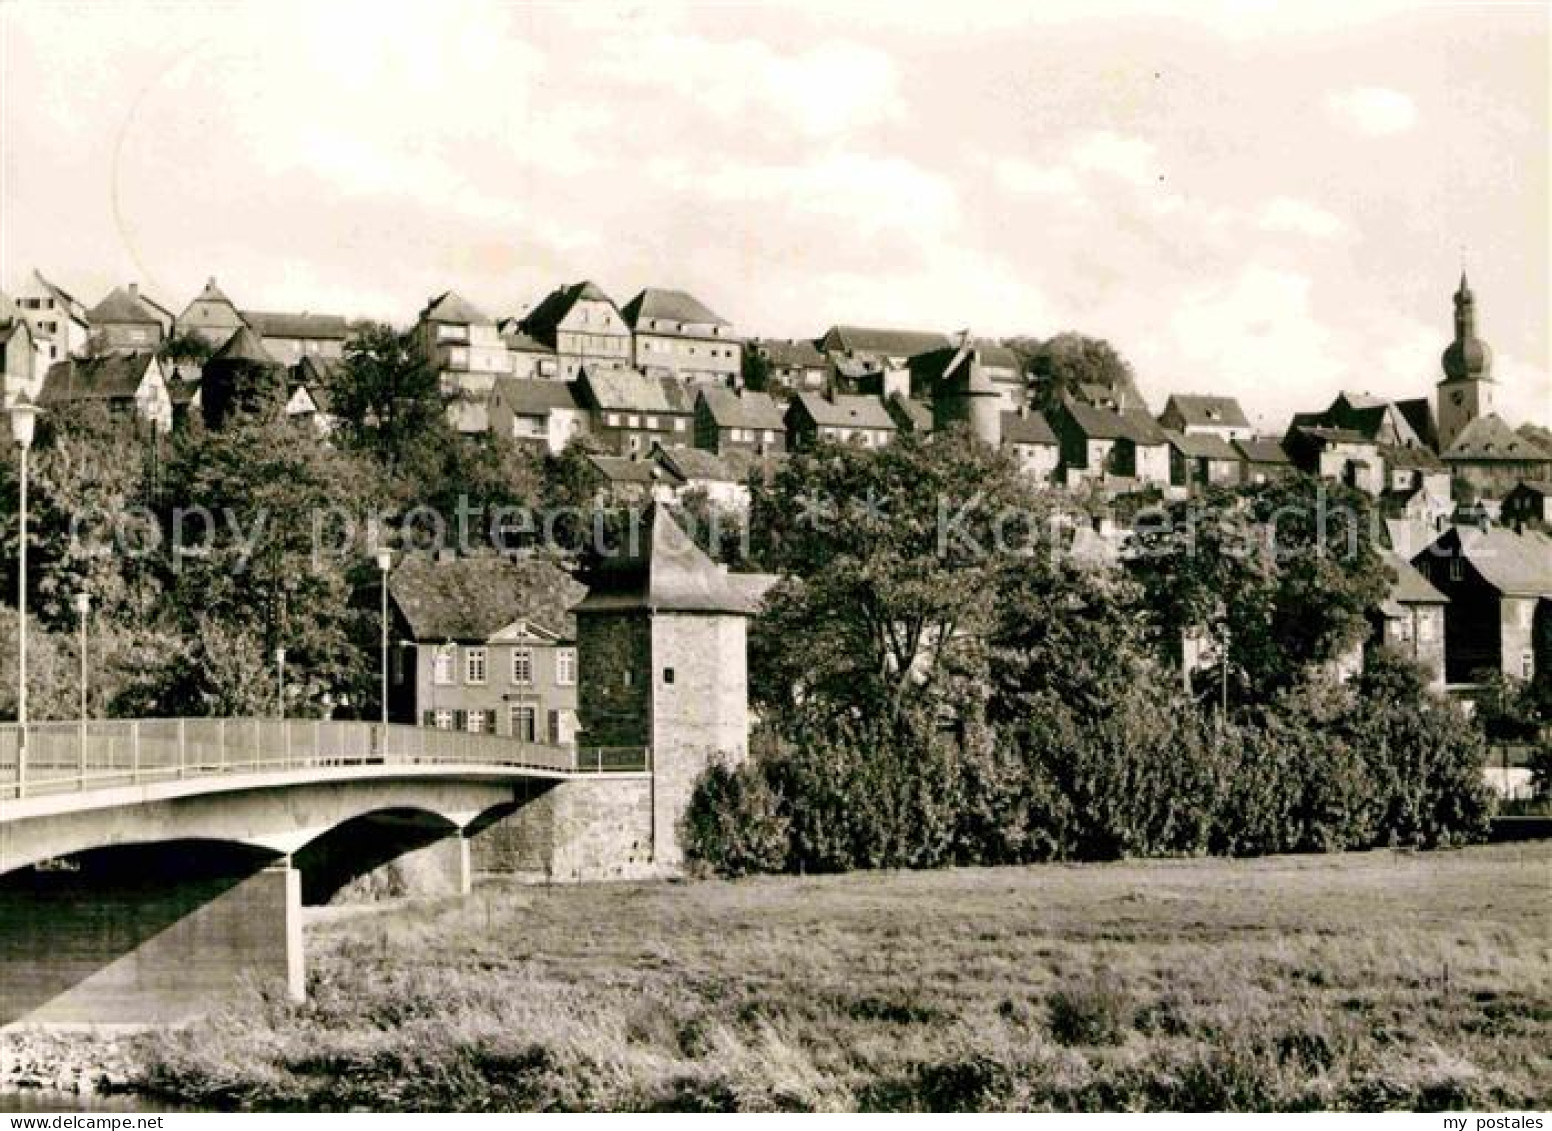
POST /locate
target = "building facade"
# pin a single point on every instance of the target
(676, 335)
(584, 328)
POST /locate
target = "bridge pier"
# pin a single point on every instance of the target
(147, 935)
(441, 868)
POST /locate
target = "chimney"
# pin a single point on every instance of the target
(134, 290)
(212, 283)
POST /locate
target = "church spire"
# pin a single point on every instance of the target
(1468, 357)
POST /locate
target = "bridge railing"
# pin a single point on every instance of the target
(108, 753)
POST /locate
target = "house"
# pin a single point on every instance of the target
(56, 318)
(694, 469)
(1261, 460)
(1034, 444)
(893, 347)
(127, 320)
(19, 366)
(486, 645)
(909, 414)
(1195, 414)
(1493, 458)
(1102, 445)
(307, 393)
(1410, 619)
(838, 419)
(725, 420)
(584, 328)
(210, 316)
(544, 413)
(792, 364)
(629, 411)
(676, 335)
(531, 358)
(290, 337)
(636, 478)
(1499, 584)
(1337, 454)
(1372, 417)
(1002, 375)
(1527, 503)
(128, 383)
(463, 346)
(1201, 459)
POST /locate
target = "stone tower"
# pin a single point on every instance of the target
(965, 395)
(1466, 392)
(663, 664)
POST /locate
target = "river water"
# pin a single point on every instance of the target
(30, 1100)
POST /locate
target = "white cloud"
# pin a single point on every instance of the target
(1128, 158)
(1374, 110)
(1289, 214)
(1025, 178)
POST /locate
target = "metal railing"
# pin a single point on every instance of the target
(67, 757)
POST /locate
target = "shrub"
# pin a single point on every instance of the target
(731, 825)
(1097, 1012)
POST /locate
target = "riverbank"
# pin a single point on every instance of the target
(1370, 981)
(68, 1062)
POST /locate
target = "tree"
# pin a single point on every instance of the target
(185, 345)
(756, 370)
(1059, 365)
(387, 397)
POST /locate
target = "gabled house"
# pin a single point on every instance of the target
(130, 384)
(1195, 414)
(531, 358)
(1372, 417)
(19, 365)
(1002, 375)
(629, 412)
(1034, 444)
(1337, 454)
(1527, 503)
(1493, 457)
(676, 335)
(1499, 584)
(127, 320)
(795, 365)
(725, 421)
(462, 345)
(838, 419)
(697, 470)
(290, 337)
(1201, 459)
(1410, 619)
(1102, 445)
(545, 413)
(56, 318)
(584, 328)
(1261, 460)
(485, 644)
(632, 479)
(210, 315)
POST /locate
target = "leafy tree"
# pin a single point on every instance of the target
(387, 397)
(185, 346)
(756, 371)
(1060, 364)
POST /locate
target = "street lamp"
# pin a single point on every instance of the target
(83, 609)
(24, 419)
(280, 683)
(384, 564)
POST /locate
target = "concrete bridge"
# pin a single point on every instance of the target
(148, 867)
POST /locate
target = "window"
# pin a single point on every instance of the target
(524, 723)
(1457, 571)
(1527, 613)
(633, 421)
(1527, 665)
(1425, 627)
(668, 675)
(680, 424)
(474, 665)
(613, 419)
(651, 422)
(442, 666)
(443, 720)
(566, 666)
(522, 666)
(475, 722)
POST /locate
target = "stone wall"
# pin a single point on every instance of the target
(579, 830)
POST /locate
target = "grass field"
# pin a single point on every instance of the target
(1381, 980)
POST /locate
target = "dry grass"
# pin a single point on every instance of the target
(1366, 981)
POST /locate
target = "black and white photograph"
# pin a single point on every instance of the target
(775, 556)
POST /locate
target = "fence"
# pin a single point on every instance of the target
(64, 757)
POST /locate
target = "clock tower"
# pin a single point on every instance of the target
(1466, 392)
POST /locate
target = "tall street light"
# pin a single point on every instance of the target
(83, 609)
(280, 683)
(384, 564)
(24, 419)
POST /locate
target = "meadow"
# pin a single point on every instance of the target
(1381, 980)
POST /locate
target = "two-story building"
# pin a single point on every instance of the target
(676, 335)
(1201, 459)
(629, 412)
(584, 328)
(1340, 455)
(210, 316)
(540, 412)
(484, 644)
(1499, 585)
(1492, 457)
(291, 337)
(531, 358)
(1034, 443)
(726, 420)
(795, 365)
(1197, 414)
(1410, 619)
(1527, 504)
(56, 319)
(1110, 447)
(463, 346)
(127, 320)
(130, 384)
(838, 418)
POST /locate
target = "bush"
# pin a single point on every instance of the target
(731, 825)
(1098, 1012)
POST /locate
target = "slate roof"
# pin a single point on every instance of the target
(625, 469)
(534, 398)
(627, 390)
(452, 307)
(1418, 412)
(1207, 410)
(519, 342)
(213, 293)
(662, 570)
(1201, 445)
(1538, 435)
(894, 343)
(998, 356)
(669, 306)
(543, 319)
(909, 413)
(244, 345)
(1543, 489)
(122, 307)
(692, 464)
(268, 324)
(801, 354)
(1519, 565)
(1409, 588)
(1094, 422)
(471, 599)
(1490, 438)
(114, 376)
(1029, 427)
(1411, 458)
(847, 411)
(741, 410)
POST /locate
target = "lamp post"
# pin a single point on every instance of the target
(280, 683)
(83, 609)
(384, 564)
(24, 419)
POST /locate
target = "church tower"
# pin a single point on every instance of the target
(1466, 392)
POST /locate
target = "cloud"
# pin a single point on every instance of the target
(1289, 214)
(1025, 178)
(1130, 159)
(1374, 110)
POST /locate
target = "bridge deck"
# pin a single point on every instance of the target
(113, 754)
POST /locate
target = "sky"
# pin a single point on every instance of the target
(1272, 201)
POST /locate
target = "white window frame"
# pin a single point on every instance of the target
(523, 667)
(474, 722)
(442, 719)
(566, 666)
(515, 713)
(442, 661)
(476, 659)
